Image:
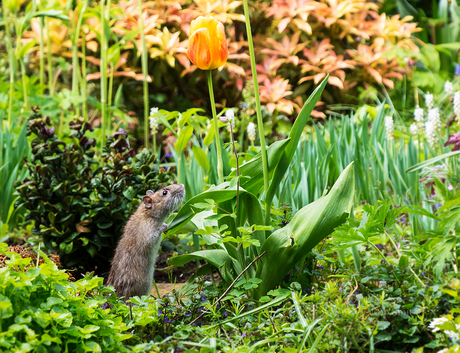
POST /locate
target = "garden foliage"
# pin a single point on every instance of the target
(78, 206)
(298, 42)
(41, 311)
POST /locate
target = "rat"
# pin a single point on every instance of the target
(133, 264)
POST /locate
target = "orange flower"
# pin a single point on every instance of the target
(207, 46)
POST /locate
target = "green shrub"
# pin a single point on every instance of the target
(80, 206)
(41, 311)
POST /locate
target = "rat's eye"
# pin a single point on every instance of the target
(165, 192)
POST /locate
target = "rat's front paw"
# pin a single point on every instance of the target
(164, 227)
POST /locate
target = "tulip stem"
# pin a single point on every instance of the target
(259, 115)
(220, 171)
(144, 61)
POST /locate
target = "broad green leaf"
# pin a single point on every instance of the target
(184, 138)
(219, 194)
(308, 227)
(201, 158)
(254, 169)
(6, 308)
(215, 257)
(431, 161)
(294, 136)
(210, 135)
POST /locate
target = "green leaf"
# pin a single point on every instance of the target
(215, 257)
(184, 137)
(308, 227)
(6, 308)
(431, 161)
(52, 13)
(253, 170)
(201, 158)
(403, 261)
(294, 136)
(219, 194)
(209, 138)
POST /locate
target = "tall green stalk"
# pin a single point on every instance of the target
(220, 169)
(259, 114)
(42, 52)
(103, 75)
(112, 68)
(83, 74)
(48, 55)
(9, 47)
(24, 83)
(144, 72)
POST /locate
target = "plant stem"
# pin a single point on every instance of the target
(231, 285)
(144, 72)
(42, 52)
(9, 47)
(48, 55)
(83, 74)
(259, 114)
(399, 254)
(220, 170)
(103, 75)
(378, 250)
(24, 83)
(109, 98)
(237, 174)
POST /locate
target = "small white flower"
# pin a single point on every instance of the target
(429, 100)
(436, 322)
(390, 127)
(430, 130)
(434, 117)
(452, 334)
(449, 88)
(418, 114)
(251, 131)
(154, 124)
(230, 115)
(153, 111)
(457, 104)
(413, 129)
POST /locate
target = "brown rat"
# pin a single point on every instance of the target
(133, 264)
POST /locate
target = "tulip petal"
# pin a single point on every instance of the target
(221, 56)
(199, 50)
(207, 44)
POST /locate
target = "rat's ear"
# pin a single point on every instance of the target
(150, 193)
(147, 201)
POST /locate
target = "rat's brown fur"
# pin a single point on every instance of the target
(133, 264)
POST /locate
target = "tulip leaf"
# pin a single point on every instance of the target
(219, 194)
(294, 135)
(308, 227)
(215, 257)
(254, 169)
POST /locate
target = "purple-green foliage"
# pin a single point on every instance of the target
(79, 204)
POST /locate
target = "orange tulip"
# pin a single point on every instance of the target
(207, 45)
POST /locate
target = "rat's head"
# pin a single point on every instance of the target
(160, 204)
